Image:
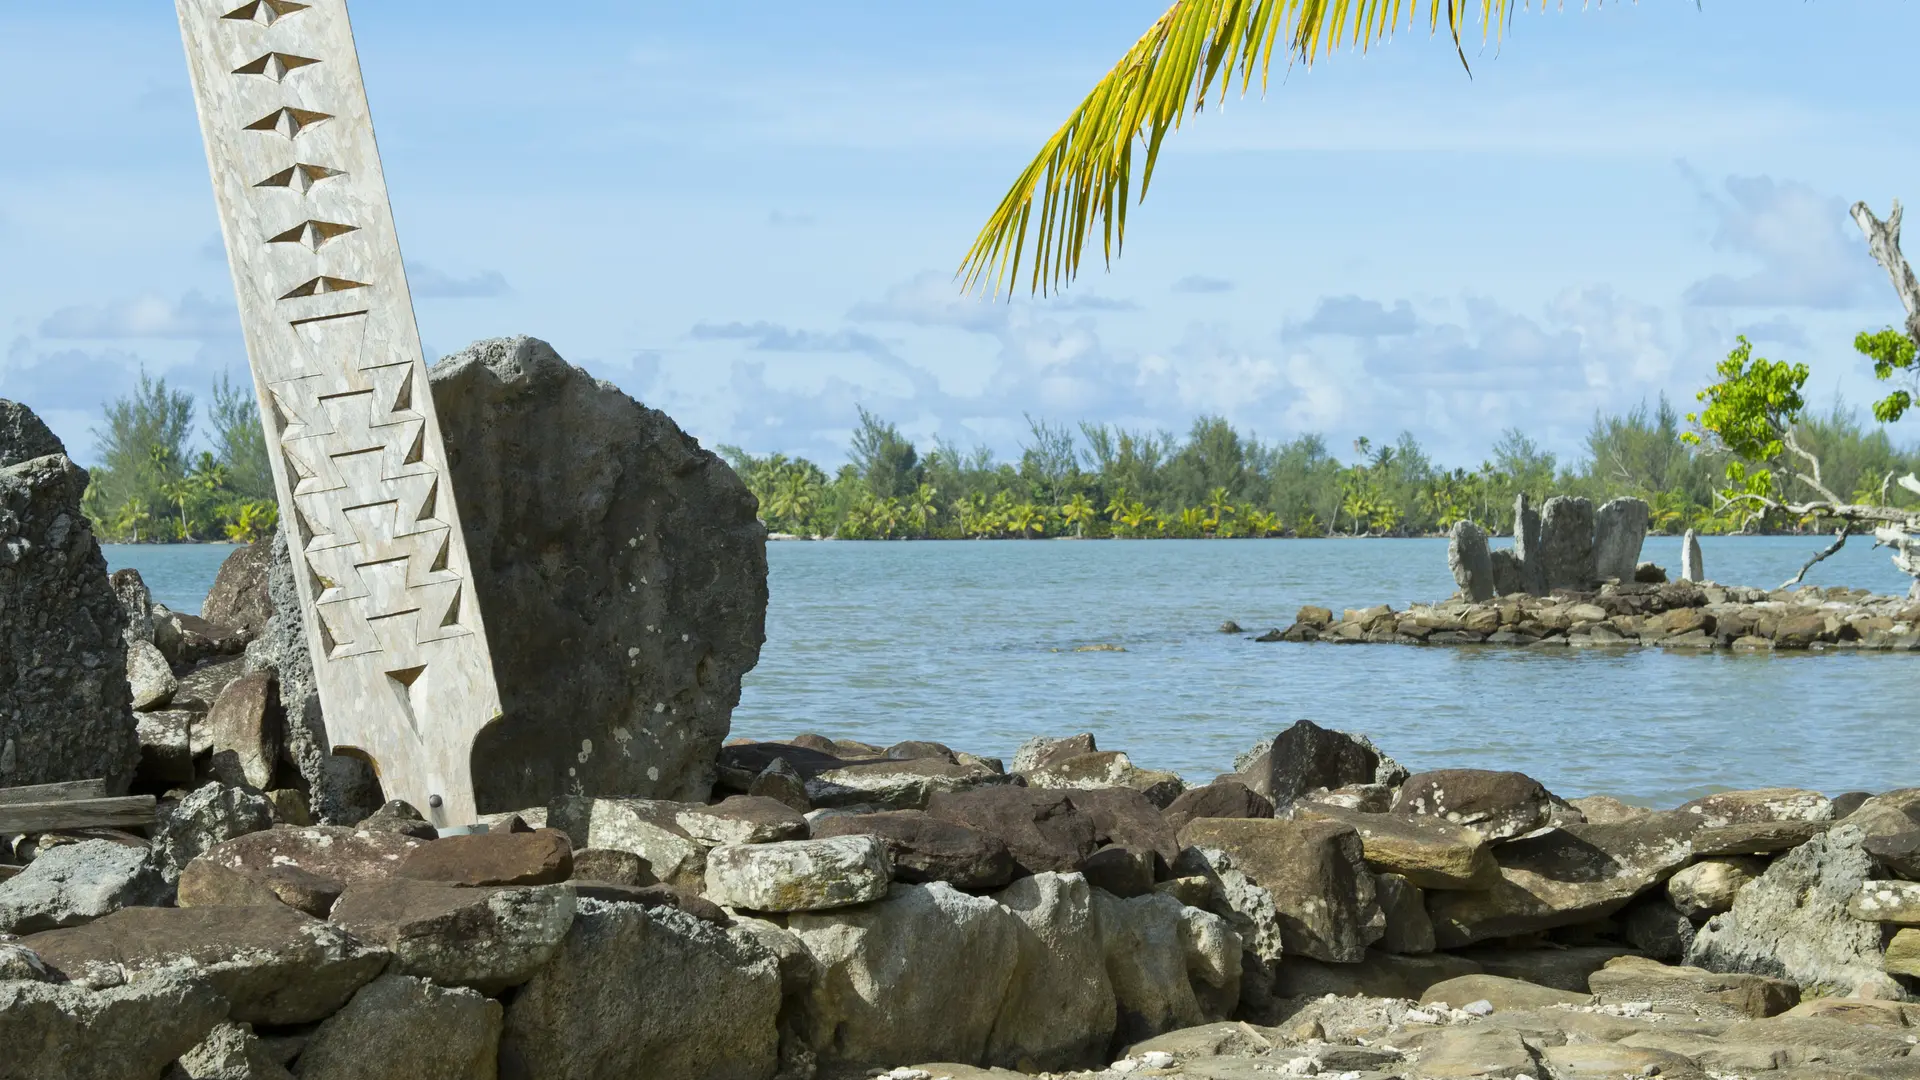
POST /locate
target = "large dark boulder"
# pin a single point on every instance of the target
(621, 570)
(1045, 830)
(926, 849)
(1307, 757)
(239, 599)
(65, 707)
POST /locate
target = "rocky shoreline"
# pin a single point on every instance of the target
(835, 908)
(1680, 615)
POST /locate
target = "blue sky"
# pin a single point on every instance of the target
(749, 214)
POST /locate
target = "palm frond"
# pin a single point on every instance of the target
(1083, 177)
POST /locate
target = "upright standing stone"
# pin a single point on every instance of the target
(1566, 543)
(65, 707)
(1690, 566)
(1619, 530)
(380, 563)
(1526, 544)
(1469, 560)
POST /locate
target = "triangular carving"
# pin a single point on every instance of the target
(313, 233)
(417, 452)
(403, 397)
(289, 121)
(406, 686)
(265, 12)
(323, 285)
(440, 559)
(452, 617)
(275, 65)
(300, 177)
(327, 643)
(431, 503)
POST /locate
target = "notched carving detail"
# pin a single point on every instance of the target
(300, 177)
(289, 121)
(323, 285)
(265, 12)
(313, 233)
(275, 65)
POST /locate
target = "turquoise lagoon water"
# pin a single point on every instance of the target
(972, 644)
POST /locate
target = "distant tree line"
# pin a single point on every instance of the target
(1097, 480)
(162, 477)
(168, 470)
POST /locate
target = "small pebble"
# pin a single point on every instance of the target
(1157, 1059)
(1482, 1007)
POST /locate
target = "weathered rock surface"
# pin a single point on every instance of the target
(1526, 544)
(1047, 972)
(272, 963)
(1898, 853)
(401, 1028)
(649, 828)
(1469, 560)
(1895, 902)
(1248, 907)
(1565, 876)
(1307, 757)
(1039, 751)
(1106, 769)
(127, 1031)
(1690, 989)
(1502, 993)
(909, 784)
(1316, 873)
(304, 868)
(602, 1011)
(1409, 929)
(597, 528)
(1759, 805)
(799, 875)
(65, 707)
(1708, 887)
(209, 815)
(1220, 799)
(245, 727)
(1566, 543)
(230, 1052)
(1619, 530)
(239, 598)
(925, 849)
(1043, 830)
(1692, 567)
(1427, 850)
(76, 883)
(150, 678)
(1509, 573)
(742, 819)
(482, 937)
(187, 641)
(1497, 805)
(1792, 923)
(537, 857)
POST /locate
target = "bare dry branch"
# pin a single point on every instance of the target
(1814, 481)
(1839, 541)
(1883, 240)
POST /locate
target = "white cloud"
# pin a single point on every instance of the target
(431, 283)
(1201, 283)
(192, 318)
(1351, 316)
(1808, 252)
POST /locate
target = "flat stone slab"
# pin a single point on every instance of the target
(274, 964)
(799, 875)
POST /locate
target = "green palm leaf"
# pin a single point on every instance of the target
(1084, 175)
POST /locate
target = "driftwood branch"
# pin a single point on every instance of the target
(1839, 541)
(1814, 481)
(122, 811)
(1909, 483)
(1883, 241)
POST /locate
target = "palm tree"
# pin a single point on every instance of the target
(921, 508)
(1219, 508)
(1026, 518)
(1077, 512)
(1083, 177)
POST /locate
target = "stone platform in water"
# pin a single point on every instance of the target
(1676, 615)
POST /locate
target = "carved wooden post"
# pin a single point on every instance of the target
(399, 654)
